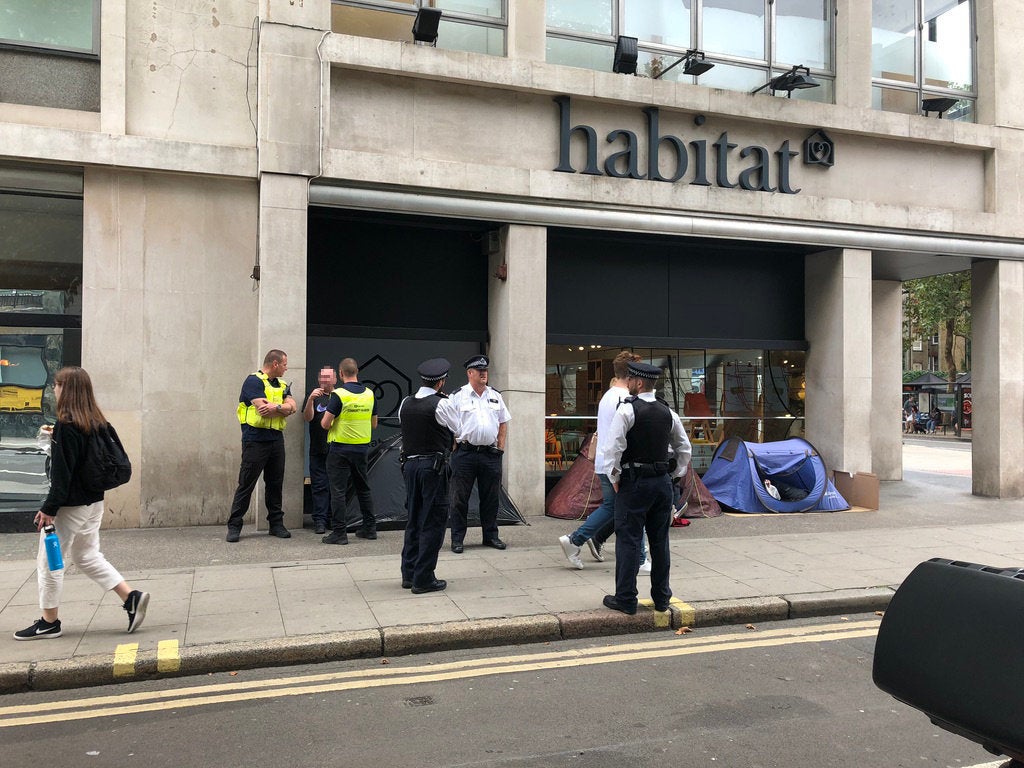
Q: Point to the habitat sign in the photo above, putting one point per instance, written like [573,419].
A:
[706,163]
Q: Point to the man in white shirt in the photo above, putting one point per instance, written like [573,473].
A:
[480,443]
[642,433]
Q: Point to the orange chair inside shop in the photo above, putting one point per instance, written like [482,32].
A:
[552,450]
[698,412]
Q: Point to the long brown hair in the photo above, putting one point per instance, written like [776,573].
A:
[77,403]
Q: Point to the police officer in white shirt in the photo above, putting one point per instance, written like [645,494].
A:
[480,443]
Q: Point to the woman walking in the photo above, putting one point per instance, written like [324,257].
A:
[74,511]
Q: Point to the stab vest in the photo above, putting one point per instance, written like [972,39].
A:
[647,440]
[247,414]
[353,425]
[420,431]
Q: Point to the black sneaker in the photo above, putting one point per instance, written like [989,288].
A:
[41,630]
[366,533]
[136,605]
[280,531]
[319,529]
[232,536]
[335,538]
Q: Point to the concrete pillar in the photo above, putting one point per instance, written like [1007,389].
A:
[997,378]
[853,54]
[886,379]
[113,64]
[1000,27]
[282,314]
[527,30]
[837,286]
[517,319]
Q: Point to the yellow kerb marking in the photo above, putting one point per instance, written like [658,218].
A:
[124,659]
[167,658]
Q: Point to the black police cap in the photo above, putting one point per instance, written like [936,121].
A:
[478,361]
[434,369]
[644,371]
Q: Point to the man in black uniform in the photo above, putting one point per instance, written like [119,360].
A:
[643,428]
[426,442]
[313,412]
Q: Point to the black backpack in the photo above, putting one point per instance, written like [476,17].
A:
[106,464]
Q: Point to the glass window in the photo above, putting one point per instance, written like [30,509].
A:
[893,25]
[577,53]
[666,22]
[588,16]
[734,27]
[68,25]
[734,78]
[471,37]
[466,25]
[489,8]
[802,33]
[947,45]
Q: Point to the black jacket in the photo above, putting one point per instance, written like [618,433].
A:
[66,454]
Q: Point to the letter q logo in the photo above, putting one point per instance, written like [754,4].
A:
[819,149]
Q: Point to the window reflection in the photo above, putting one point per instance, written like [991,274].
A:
[734,27]
[801,33]
[590,16]
[666,22]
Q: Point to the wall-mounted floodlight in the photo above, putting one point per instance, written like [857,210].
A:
[693,64]
[625,56]
[938,104]
[424,28]
[790,81]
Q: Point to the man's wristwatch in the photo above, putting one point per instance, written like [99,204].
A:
[279,408]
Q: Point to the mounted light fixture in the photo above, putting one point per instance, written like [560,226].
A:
[938,104]
[424,28]
[790,81]
[625,56]
[693,64]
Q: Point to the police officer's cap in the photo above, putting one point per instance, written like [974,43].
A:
[479,362]
[434,369]
[644,371]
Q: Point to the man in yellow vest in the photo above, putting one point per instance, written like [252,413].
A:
[263,405]
[350,417]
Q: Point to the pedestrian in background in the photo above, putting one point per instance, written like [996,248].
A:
[313,412]
[427,431]
[350,417]
[75,512]
[642,432]
[263,405]
[482,419]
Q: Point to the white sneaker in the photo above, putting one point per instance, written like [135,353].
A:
[596,550]
[645,568]
[572,552]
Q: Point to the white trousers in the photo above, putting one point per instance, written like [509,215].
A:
[78,529]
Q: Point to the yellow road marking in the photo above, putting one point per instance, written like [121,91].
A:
[124,659]
[167,657]
[108,706]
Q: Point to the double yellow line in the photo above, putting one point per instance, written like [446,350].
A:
[391,675]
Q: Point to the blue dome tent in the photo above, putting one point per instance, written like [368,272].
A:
[741,474]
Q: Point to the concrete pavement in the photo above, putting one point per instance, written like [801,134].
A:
[266,601]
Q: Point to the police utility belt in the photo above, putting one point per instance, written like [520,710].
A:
[492,449]
[637,469]
[439,459]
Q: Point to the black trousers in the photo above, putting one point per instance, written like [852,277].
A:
[426,499]
[346,473]
[643,503]
[320,488]
[266,457]
[484,469]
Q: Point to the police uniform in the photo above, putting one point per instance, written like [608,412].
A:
[262,452]
[348,442]
[427,432]
[642,432]
[477,457]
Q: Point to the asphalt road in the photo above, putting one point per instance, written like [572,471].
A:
[790,694]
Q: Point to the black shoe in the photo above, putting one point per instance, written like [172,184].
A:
[457,547]
[335,538]
[496,543]
[280,531]
[366,533]
[660,608]
[611,602]
[435,586]
[406,584]
[136,605]
[233,534]
[319,529]
[41,630]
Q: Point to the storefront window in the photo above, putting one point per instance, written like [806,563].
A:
[923,49]
[64,25]
[477,26]
[760,36]
[40,318]
[754,394]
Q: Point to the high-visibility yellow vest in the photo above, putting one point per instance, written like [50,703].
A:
[247,414]
[353,425]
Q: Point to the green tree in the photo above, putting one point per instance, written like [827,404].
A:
[940,302]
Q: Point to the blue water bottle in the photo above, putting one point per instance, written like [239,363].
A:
[53,556]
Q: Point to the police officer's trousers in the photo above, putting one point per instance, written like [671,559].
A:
[642,503]
[483,467]
[426,499]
